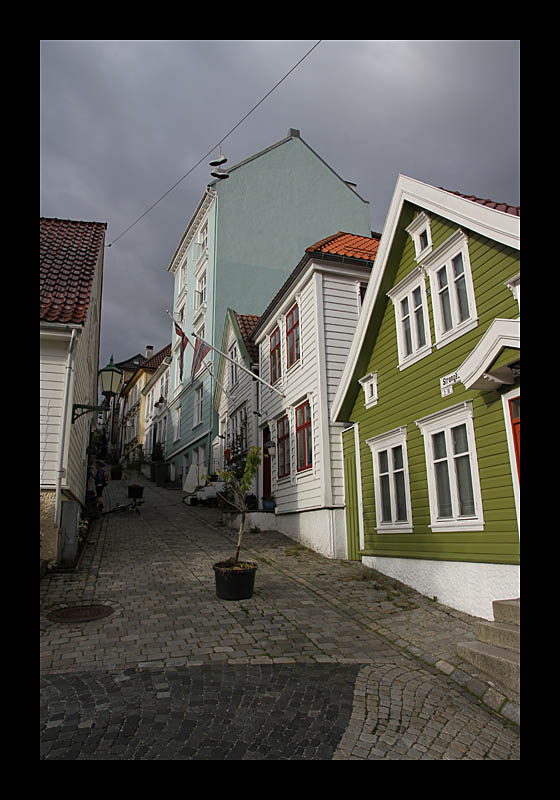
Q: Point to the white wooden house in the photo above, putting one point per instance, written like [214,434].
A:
[71,279]
[236,397]
[304,338]
[156,392]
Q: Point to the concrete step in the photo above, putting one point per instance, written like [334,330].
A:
[507,611]
[500,634]
[503,665]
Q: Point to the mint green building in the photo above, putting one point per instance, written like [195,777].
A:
[431,398]
[238,249]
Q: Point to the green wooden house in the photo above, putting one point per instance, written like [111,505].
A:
[431,398]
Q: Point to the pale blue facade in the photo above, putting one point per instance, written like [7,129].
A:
[257,225]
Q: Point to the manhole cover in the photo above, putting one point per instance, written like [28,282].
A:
[79,614]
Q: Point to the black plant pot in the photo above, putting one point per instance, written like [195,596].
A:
[235,582]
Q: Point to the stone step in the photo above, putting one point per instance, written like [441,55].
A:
[500,634]
[507,611]
[501,664]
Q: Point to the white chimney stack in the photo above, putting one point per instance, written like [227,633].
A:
[149,351]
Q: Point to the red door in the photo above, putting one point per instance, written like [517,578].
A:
[267,486]
[514,410]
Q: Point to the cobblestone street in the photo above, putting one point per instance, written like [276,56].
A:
[327,661]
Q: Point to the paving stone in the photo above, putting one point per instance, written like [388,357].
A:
[317,665]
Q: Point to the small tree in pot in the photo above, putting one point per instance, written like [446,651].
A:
[234,578]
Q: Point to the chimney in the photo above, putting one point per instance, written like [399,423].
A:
[149,351]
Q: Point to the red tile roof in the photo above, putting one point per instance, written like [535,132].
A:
[505,207]
[247,324]
[69,250]
[347,244]
[155,360]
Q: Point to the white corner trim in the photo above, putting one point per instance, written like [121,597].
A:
[501,333]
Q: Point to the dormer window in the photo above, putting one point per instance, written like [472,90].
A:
[420,232]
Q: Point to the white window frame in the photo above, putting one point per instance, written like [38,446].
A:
[419,225]
[203,238]
[233,370]
[387,442]
[444,421]
[198,401]
[457,244]
[200,293]
[405,290]
[369,384]
[177,424]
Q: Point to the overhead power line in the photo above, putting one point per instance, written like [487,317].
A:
[216,145]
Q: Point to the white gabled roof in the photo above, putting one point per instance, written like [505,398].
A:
[501,226]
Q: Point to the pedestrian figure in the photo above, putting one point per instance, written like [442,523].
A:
[101,481]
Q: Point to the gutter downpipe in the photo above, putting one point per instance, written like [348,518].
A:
[60,470]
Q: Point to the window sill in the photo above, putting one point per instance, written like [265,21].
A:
[455,333]
[396,529]
[414,357]
[457,527]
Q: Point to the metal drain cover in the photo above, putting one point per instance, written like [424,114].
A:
[80,614]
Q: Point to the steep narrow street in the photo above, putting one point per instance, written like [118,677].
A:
[327,661]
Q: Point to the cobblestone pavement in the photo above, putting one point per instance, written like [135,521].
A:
[327,660]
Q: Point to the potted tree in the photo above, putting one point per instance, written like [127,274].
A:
[235,579]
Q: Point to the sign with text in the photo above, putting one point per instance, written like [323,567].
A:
[447,382]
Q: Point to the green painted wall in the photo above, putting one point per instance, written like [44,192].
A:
[407,395]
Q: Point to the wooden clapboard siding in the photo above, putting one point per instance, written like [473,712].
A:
[412,393]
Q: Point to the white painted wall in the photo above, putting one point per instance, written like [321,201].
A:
[467,587]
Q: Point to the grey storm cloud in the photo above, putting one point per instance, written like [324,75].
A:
[123,120]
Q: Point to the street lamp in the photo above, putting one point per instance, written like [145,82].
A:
[110,383]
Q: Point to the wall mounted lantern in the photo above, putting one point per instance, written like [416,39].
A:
[110,383]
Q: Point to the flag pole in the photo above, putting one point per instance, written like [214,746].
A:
[206,365]
[241,366]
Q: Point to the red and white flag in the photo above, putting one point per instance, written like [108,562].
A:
[184,342]
[201,349]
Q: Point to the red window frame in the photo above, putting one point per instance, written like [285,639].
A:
[292,337]
[303,437]
[515,406]
[275,360]
[283,444]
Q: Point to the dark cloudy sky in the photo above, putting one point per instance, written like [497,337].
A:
[123,120]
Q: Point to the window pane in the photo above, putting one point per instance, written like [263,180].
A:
[464,486]
[420,332]
[443,490]
[442,277]
[383,461]
[385,499]
[423,240]
[462,299]
[308,446]
[417,298]
[401,496]
[397,457]
[438,442]
[300,450]
[457,262]
[446,310]
[460,441]
[407,336]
